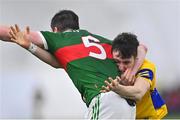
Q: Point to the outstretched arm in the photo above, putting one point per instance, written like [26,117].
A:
[45,56]
[32,36]
[135,92]
[21,39]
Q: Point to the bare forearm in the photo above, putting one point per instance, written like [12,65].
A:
[135,92]
[46,57]
[33,36]
[21,38]
[4,33]
[129,92]
[141,54]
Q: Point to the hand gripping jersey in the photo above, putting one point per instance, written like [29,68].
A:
[151,106]
[86,58]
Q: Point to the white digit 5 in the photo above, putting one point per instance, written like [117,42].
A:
[87,43]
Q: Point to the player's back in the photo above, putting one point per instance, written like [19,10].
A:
[86,58]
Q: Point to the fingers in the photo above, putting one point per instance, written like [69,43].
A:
[12,34]
[110,79]
[13,30]
[15,34]
[123,76]
[105,89]
[124,79]
[128,77]
[111,84]
[114,83]
[118,79]
[108,84]
[12,39]
[17,28]
[133,80]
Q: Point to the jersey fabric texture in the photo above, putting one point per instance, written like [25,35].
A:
[86,58]
[151,106]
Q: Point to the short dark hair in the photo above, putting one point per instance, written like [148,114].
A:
[126,44]
[65,19]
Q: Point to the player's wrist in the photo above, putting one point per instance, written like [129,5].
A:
[32,48]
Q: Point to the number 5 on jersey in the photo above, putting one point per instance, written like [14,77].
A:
[91,41]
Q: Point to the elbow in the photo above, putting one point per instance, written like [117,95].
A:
[56,66]
[139,94]
[138,97]
[54,63]
[144,47]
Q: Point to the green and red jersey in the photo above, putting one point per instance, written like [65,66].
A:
[86,58]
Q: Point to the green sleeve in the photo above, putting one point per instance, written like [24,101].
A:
[50,39]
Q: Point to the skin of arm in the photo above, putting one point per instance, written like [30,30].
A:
[21,39]
[129,75]
[135,92]
[32,36]
[4,33]
[46,57]
[141,54]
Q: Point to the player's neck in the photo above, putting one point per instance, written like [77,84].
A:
[68,30]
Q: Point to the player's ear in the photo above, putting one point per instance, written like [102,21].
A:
[55,29]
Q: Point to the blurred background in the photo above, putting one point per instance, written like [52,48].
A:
[30,88]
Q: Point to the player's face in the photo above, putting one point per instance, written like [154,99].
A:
[123,63]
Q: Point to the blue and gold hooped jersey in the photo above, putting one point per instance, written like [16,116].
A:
[151,105]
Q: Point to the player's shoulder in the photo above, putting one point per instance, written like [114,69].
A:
[101,38]
[147,63]
[147,66]
[48,33]
[147,70]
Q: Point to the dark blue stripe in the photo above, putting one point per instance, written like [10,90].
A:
[156,99]
[151,75]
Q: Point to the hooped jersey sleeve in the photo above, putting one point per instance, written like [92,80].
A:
[147,71]
[51,40]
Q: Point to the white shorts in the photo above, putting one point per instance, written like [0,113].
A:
[110,106]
